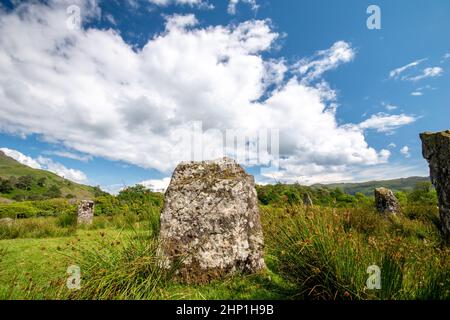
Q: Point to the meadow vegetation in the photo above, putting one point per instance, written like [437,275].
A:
[312,252]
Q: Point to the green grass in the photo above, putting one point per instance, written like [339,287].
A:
[311,253]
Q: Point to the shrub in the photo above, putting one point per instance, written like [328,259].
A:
[25,182]
[54,207]
[53,192]
[6,186]
[17,210]
[34,228]
[67,220]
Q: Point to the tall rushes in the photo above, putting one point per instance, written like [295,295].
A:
[129,268]
[315,252]
[126,269]
[326,252]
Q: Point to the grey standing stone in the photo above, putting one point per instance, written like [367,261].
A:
[211,221]
[307,201]
[385,201]
[85,212]
[6,222]
[436,150]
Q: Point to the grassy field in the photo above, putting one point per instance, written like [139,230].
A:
[36,269]
[311,253]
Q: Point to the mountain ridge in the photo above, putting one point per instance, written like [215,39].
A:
[367,187]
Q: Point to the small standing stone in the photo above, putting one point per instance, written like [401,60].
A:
[436,150]
[85,212]
[385,201]
[6,222]
[211,221]
[307,201]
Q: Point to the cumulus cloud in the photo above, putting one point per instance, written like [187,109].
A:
[405,151]
[392,145]
[157,185]
[46,164]
[426,73]
[62,171]
[389,106]
[232,4]
[398,71]
[382,122]
[95,94]
[417,93]
[325,60]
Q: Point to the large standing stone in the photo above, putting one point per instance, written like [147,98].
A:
[436,149]
[211,221]
[85,212]
[385,201]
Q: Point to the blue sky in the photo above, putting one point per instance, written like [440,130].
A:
[101,104]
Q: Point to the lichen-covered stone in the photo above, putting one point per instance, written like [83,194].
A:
[307,201]
[436,150]
[385,201]
[211,221]
[85,212]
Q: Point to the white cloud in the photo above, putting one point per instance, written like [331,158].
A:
[398,71]
[136,105]
[69,155]
[389,106]
[62,171]
[417,93]
[426,73]
[109,17]
[382,122]
[46,164]
[159,185]
[178,2]
[325,60]
[232,4]
[392,145]
[21,158]
[405,151]
[179,22]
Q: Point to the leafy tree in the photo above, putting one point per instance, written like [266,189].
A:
[362,199]
[25,182]
[402,198]
[41,182]
[53,192]
[98,192]
[423,193]
[6,185]
[292,196]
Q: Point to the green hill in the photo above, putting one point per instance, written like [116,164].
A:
[20,182]
[402,184]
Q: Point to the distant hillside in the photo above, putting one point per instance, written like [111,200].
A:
[20,182]
[402,184]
